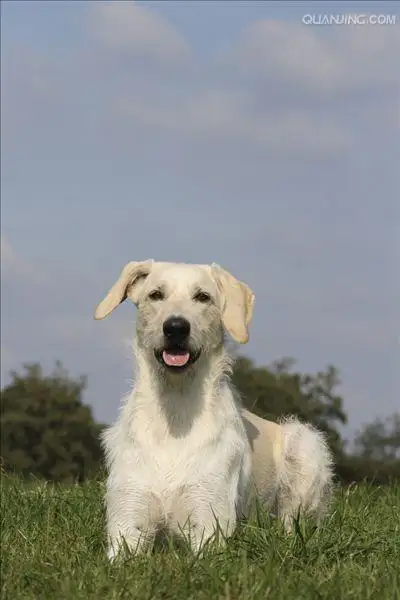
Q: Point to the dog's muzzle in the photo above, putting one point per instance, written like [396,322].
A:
[176,354]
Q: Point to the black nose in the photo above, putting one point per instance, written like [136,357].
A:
[176,328]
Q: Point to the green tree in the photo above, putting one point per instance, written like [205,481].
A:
[46,429]
[380,440]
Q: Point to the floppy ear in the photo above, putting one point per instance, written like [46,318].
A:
[237,304]
[128,285]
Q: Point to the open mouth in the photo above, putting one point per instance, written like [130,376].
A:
[176,359]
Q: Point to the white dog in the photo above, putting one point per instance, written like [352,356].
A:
[183,454]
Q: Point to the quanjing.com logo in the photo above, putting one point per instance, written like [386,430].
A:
[344,19]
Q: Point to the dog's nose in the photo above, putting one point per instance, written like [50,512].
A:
[176,328]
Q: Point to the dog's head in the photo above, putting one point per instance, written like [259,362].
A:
[182,309]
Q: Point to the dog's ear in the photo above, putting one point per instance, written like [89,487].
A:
[127,286]
[237,304]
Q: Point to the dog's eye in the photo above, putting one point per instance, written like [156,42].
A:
[156,295]
[202,297]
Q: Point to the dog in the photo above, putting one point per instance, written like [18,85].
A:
[183,454]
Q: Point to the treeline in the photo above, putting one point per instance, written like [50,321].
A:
[47,431]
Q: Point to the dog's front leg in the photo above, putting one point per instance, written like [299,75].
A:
[201,516]
[133,538]
[210,522]
[131,521]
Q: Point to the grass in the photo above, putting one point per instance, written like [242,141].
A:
[52,548]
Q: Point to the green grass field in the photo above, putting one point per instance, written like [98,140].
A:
[52,547]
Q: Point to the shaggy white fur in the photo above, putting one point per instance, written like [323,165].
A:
[183,454]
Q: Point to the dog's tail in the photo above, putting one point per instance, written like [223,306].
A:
[306,472]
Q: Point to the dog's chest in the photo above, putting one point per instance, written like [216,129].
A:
[169,457]
[165,461]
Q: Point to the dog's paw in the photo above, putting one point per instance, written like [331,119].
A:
[112,552]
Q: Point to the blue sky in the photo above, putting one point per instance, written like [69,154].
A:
[202,132]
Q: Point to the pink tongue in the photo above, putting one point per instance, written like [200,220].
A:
[175,360]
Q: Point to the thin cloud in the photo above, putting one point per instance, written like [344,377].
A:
[330,62]
[216,114]
[137,30]
[16,268]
